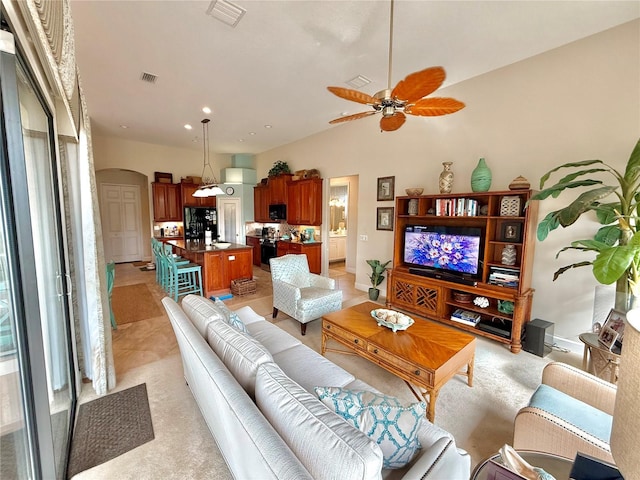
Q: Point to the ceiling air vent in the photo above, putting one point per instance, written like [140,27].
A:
[148,77]
[358,82]
[226,12]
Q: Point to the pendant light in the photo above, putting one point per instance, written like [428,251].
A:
[209,187]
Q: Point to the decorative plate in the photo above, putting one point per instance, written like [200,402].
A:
[392,319]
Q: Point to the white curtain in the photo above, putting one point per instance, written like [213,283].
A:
[53,29]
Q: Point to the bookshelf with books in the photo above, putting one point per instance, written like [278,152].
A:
[502,290]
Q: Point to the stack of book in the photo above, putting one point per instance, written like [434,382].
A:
[456,207]
[505,277]
[466,317]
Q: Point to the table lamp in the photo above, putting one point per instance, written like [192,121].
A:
[625,434]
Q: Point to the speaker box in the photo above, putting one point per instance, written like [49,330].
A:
[538,337]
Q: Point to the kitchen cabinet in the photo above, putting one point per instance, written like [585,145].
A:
[337,248]
[304,202]
[254,242]
[278,188]
[188,200]
[167,205]
[261,203]
[312,250]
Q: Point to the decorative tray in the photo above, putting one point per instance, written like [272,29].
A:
[392,319]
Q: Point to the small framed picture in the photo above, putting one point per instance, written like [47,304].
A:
[384,218]
[386,188]
[615,321]
[511,232]
[608,337]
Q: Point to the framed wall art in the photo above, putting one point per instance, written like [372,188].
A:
[384,218]
[511,232]
[386,188]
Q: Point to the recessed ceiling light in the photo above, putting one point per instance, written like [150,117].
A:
[267,126]
[252,133]
[124,126]
[344,114]
[188,127]
[206,110]
[241,139]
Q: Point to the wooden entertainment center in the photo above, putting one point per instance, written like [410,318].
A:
[503,220]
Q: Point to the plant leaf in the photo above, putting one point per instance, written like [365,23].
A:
[558,188]
[560,271]
[568,215]
[574,175]
[583,163]
[590,245]
[548,223]
[611,263]
[609,234]
[606,212]
[634,163]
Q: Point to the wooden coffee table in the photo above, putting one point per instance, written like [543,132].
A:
[426,355]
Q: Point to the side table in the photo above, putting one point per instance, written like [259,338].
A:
[598,360]
[559,467]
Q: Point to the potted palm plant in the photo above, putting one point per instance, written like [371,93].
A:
[376,277]
[616,243]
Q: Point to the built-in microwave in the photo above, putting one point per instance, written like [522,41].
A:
[278,212]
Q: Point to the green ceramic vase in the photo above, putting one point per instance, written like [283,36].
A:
[481,177]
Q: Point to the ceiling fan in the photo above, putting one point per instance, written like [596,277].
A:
[407,96]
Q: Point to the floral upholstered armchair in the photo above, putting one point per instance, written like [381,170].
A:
[299,293]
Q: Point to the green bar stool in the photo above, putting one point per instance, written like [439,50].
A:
[185,279]
[111,276]
[166,275]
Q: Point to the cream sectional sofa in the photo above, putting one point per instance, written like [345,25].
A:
[255,390]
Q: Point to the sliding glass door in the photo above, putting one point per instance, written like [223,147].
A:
[37,287]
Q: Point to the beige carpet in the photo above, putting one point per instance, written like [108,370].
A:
[132,303]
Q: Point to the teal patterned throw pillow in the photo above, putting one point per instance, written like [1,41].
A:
[392,424]
[230,317]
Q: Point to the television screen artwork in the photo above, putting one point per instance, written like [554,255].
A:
[443,250]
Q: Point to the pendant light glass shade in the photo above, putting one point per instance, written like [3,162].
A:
[209,187]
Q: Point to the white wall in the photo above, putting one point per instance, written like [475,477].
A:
[577,102]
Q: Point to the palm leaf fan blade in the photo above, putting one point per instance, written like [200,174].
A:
[355,116]
[419,84]
[393,122]
[353,95]
[434,107]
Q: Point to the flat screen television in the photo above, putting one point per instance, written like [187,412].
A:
[453,250]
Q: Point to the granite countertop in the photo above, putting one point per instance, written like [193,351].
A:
[315,242]
[197,246]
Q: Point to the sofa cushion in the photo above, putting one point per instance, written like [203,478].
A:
[230,317]
[248,315]
[272,337]
[581,415]
[240,353]
[201,311]
[308,368]
[386,420]
[327,446]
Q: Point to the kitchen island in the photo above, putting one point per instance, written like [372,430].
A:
[219,266]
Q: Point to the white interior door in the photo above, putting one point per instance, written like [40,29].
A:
[229,220]
[121,222]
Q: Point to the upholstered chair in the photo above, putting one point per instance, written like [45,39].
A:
[299,293]
[570,412]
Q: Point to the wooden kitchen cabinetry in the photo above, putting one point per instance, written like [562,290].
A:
[304,202]
[167,205]
[503,220]
[188,200]
[278,188]
[261,200]
[255,243]
[312,250]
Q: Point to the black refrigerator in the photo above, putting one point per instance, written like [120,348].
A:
[197,220]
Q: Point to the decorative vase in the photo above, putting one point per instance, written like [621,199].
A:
[413,206]
[446,178]
[481,177]
[509,255]
[373,294]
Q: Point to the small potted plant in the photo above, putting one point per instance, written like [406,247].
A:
[279,168]
[377,276]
